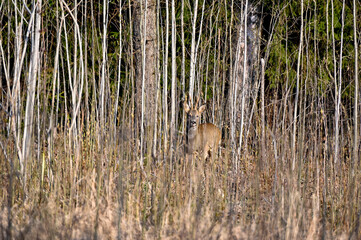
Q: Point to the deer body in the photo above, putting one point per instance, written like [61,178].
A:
[201,138]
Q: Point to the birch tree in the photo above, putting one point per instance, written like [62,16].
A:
[31,88]
[298,79]
[174,79]
[355,119]
[193,52]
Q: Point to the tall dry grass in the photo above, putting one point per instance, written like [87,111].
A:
[109,196]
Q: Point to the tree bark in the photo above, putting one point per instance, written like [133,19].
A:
[146,19]
[246,52]
[29,112]
[174,79]
[297,93]
[356,141]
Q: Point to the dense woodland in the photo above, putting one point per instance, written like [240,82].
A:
[92,123]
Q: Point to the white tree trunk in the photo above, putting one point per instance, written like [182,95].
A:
[193,53]
[30,98]
[355,119]
[174,79]
[297,92]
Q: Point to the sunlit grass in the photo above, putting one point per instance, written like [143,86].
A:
[175,199]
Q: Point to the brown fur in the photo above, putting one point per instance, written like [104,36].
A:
[202,138]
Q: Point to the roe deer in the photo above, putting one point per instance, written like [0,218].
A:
[201,138]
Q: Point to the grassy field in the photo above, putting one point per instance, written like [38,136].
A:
[106,194]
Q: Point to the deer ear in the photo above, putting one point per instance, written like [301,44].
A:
[186,107]
[202,108]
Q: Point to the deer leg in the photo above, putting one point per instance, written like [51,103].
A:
[215,151]
[212,154]
[205,152]
[186,164]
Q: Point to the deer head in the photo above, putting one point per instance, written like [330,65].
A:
[193,115]
[200,138]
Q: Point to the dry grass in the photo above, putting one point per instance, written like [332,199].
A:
[178,201]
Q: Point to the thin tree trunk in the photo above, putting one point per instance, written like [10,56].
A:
[33,71]
[174,80]
[295,114]
[119,69]
[157,78]
[338,98]
[355,118]
[335,81]
[165,82]
[193,53]
[183,63]
[144,37]
[137,31]
[103,73]
[263,132]
[74,85]
[196,52]
[245,85]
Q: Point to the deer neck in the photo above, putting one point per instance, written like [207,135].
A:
[192,136]
[192,133]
